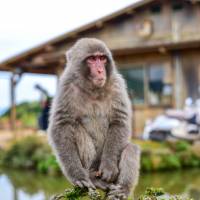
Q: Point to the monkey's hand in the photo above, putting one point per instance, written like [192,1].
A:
[108,171]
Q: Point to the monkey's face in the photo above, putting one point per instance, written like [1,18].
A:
[96,64]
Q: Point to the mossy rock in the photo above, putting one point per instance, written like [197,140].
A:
[77,193]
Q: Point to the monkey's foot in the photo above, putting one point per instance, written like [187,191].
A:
[117,192]
[84,183]
[98,183]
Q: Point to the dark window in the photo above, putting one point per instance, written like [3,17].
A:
[176,6]
[135,82]
[159,91]
[150,85]
[156,9]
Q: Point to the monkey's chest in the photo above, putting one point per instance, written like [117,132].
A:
[95,121]
[96,126]
[91,137]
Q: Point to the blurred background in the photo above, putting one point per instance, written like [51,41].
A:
[156,46]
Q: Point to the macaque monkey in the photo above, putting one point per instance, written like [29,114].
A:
[90,122]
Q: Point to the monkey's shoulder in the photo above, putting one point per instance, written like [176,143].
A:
[118,88]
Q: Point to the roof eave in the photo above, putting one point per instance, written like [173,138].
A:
[70,34]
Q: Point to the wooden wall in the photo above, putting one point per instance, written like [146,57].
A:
[188,80]
[176,21]
[145,111]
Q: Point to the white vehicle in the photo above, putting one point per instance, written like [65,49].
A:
[180,124]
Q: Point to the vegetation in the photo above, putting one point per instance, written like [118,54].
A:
[34,153]
[27,114]
[165,156]
[30,153]
[77,193]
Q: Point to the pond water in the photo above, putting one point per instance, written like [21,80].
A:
[18,185]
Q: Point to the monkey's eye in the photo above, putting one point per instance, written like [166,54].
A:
[103,57]
[91,58]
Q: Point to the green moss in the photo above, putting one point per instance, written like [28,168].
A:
[77,193]
[152,193]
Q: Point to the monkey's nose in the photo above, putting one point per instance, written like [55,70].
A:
[100,71]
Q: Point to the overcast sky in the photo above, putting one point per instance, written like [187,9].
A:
[27,23]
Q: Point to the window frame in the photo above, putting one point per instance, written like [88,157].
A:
[139,66]
[146,67]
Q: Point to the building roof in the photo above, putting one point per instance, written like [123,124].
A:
[44,58]
[49,45]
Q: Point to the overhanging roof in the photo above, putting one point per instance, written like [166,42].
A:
[8,64]
[46,56]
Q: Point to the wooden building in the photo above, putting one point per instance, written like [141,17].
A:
[156,45]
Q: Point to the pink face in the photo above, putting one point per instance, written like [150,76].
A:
[97,65]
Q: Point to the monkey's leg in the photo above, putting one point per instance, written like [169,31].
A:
[128,173]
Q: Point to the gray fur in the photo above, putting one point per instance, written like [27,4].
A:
[90,127]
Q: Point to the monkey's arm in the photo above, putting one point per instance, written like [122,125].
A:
[117,139]
[63,142]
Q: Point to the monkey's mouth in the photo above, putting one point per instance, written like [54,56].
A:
[100,82]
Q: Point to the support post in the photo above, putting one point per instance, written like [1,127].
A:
[178,81]
[14,80]
[13,103]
